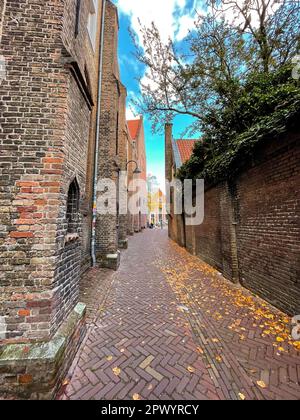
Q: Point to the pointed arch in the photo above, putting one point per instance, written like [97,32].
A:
[73,206]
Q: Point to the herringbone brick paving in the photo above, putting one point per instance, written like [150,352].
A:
[171,328]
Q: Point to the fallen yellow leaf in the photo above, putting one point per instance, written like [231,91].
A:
[261,384]
[279,340]
[109,358]
[136,397]
[117,371]
[219,359]
[191,369]
[296,344]
[242,397]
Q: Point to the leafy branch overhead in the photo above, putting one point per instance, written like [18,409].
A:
[233,70]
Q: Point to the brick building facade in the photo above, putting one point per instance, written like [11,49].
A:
[62,104]
[137,133]
[251,227]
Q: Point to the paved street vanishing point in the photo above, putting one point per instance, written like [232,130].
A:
[166,326]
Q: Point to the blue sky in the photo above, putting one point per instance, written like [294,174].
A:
[173,18]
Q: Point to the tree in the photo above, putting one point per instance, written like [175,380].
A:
[272,27]
[232,41]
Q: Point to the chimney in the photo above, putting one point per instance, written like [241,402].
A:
[169,151]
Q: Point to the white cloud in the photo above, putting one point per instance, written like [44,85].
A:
[173,18]
[131,113]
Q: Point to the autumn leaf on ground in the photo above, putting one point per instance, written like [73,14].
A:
[296,344]
[117,371]
[191,369]
[200,350]
[136,397]
[109,358]
[242,397]
[219,359]
[261,384]
[66,382]
[215,340]
[279,340]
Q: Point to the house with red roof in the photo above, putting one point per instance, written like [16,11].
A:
[136,130]
[182,150]
[178,152]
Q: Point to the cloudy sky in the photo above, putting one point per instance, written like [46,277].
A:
[173,18]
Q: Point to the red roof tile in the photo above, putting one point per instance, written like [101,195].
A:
[186,148]
[134,128]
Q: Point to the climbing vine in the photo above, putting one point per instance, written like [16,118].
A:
[268,106]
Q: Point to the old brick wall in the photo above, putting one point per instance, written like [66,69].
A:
[79,48]
[123,159]
[31,140]
[208,235]
[131,156]
[141,220]
[44,143]
[268,230]
[251,228]
[108,163]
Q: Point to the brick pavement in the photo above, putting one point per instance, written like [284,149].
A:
[171,328]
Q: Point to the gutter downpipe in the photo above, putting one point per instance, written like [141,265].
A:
[95,181]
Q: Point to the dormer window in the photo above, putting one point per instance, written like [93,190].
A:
[92,22]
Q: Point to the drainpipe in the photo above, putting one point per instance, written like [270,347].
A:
[95,181]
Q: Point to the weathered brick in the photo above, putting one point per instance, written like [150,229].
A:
[251,227]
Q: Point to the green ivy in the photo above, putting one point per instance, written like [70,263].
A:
[268,106]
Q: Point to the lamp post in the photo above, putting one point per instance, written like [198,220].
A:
[137,170]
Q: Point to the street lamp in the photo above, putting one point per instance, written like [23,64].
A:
[137,170]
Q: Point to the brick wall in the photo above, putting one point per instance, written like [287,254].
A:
[141,220]
[44,145]
[268,230]
[112,145]
[131,156]
[251,228]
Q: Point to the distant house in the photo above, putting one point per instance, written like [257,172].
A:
[156,202]
[137,133]
[178,151]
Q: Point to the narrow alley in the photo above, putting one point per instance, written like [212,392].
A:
[166,326]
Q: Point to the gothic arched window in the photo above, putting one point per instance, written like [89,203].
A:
[73,207]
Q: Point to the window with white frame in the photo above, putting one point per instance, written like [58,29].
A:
[92,22]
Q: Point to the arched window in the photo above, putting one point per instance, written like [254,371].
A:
[73,207]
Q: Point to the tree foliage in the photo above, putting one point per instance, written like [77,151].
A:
[268,106]
[232,76]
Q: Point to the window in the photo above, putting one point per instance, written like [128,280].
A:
[73,207]
[78,5]
[117,134]
[92,22]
